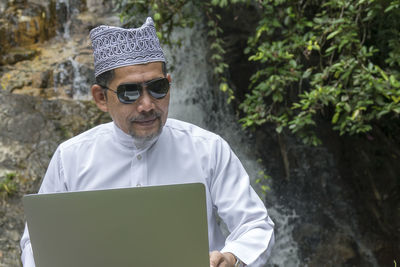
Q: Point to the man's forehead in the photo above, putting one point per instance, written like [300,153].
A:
[139,72]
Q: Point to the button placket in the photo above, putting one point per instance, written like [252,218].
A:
[138,170]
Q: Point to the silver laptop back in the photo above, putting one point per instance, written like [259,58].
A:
[146,226]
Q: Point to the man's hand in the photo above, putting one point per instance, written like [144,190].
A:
[218,259]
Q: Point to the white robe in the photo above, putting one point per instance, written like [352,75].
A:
[183,153]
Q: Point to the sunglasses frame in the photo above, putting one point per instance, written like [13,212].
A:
[140,86]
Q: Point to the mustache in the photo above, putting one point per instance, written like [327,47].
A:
[151,115]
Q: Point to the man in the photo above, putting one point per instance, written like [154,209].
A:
[142,147]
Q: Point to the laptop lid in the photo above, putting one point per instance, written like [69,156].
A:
[143,226]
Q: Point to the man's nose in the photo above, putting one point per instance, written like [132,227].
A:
[145,101]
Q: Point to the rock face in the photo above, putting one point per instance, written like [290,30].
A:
[24,23]
[53,36]
[31,129]
[45,61]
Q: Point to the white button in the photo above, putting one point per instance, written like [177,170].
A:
[139,157]
[138,185]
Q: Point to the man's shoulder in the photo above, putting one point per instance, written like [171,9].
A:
[189,129]
[88,136]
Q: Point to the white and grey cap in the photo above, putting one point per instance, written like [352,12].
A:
[115,47]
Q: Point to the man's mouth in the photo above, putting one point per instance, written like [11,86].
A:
[146,121]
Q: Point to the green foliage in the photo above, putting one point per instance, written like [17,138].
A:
[336,60]
[261,181]
[331,60]
[8,185]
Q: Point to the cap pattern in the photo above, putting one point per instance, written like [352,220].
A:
[115,47]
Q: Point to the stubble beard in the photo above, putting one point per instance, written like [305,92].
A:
[142,140]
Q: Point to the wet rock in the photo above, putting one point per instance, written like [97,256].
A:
[98,6]
[59,67]
[17,54]
[339,252]
[42,79]
[59,70]
[14,235]
[73,78]
[31,129]
[26,22]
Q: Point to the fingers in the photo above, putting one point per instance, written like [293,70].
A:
[216,258]
[230,258]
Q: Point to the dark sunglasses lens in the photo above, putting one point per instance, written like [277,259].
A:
[128,93]
[158,88]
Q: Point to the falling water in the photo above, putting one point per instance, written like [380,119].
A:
[80,83]
[193,99]
[73,74]
[65,11]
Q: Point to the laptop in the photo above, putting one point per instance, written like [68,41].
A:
[142,226]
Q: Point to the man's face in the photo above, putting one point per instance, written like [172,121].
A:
[144,118]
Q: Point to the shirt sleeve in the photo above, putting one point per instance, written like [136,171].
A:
[52,182]
[251,229]
[27,253]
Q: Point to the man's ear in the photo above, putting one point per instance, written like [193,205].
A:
[169,77]
[99,97]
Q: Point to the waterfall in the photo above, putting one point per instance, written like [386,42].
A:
[73,73]
[66,11]
[193,99]
[196,98]
[63,9]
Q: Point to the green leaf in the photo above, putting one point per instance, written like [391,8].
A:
[157,16]
[223,87]
[347,107]
[307,73]
[382,113]
[330,49]
[355,114]
[335,117]
[391,7]
[333,34]
[393,81]
[382,73]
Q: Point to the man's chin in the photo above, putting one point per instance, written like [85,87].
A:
[145,136]
[146,133]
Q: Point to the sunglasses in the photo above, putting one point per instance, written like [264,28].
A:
[129,92]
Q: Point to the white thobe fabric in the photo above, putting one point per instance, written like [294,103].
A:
[105,157]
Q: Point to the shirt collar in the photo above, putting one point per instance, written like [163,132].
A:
[128,141]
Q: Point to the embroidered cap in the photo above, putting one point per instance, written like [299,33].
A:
[115,47]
